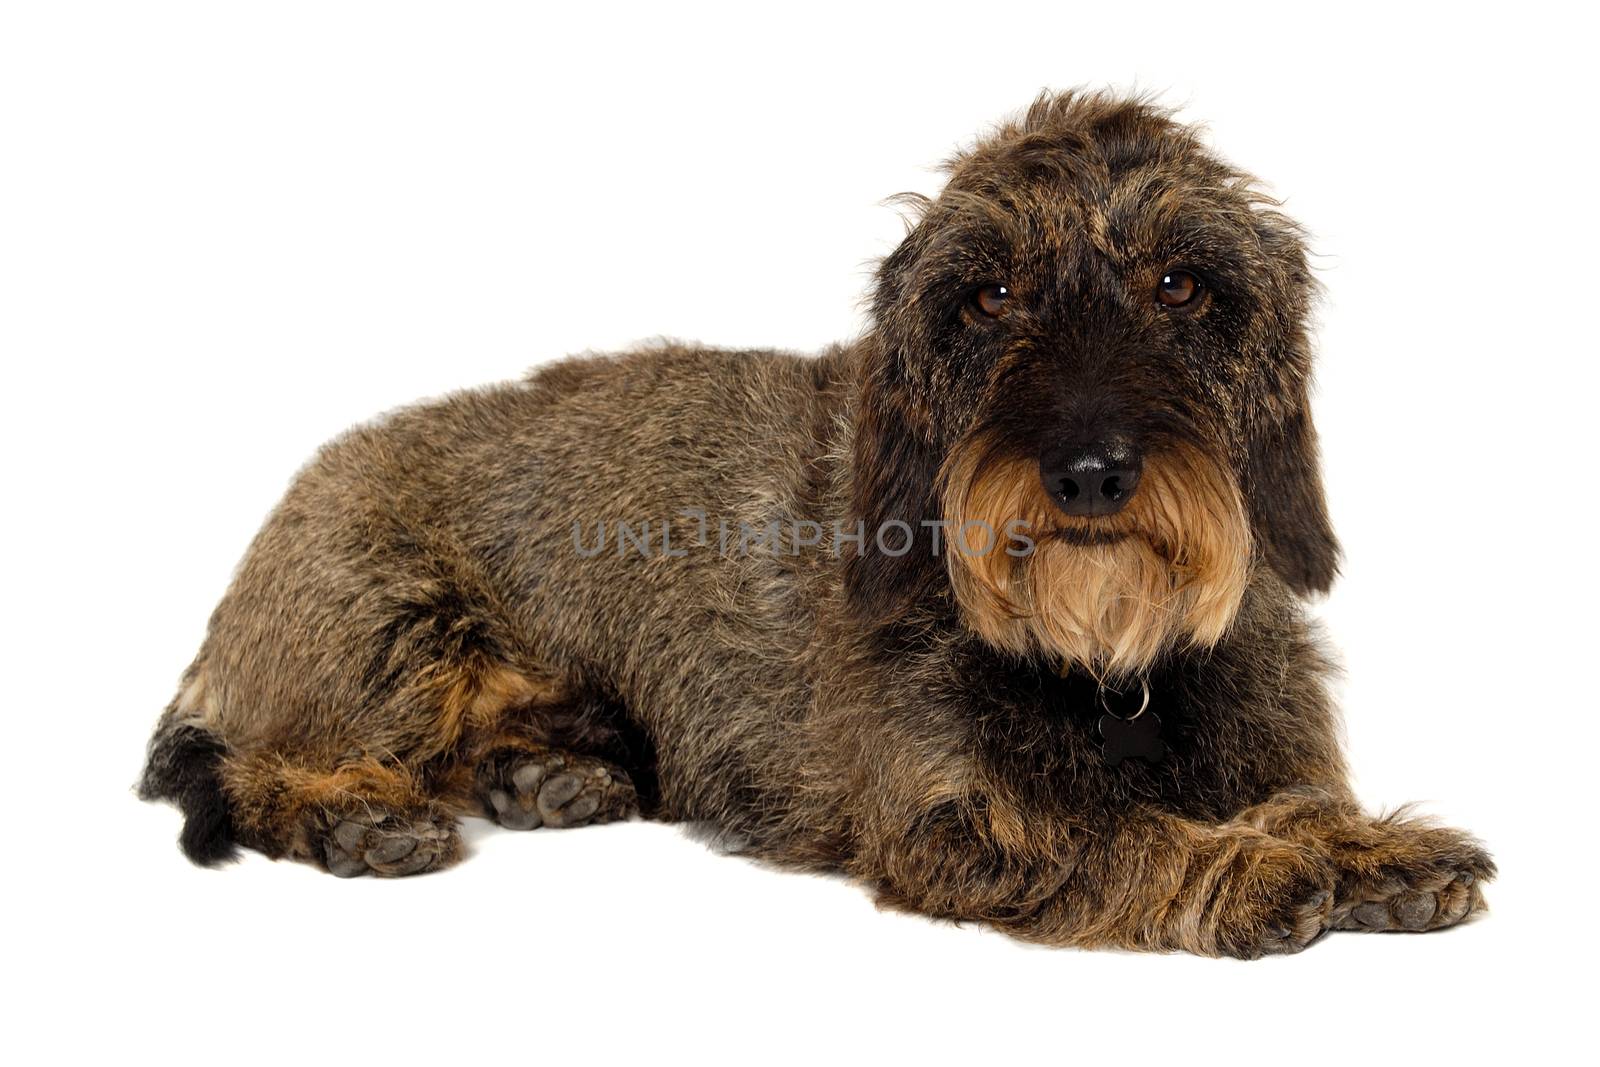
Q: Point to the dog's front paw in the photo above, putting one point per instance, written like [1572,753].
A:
[1426,878]
[1273,898]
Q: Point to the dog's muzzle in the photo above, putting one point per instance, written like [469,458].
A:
[1090,480]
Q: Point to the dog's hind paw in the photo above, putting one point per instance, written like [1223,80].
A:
[389,845]
[557,789]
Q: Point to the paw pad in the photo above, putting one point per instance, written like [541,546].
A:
[389,846]
[1416,909]
[560,791]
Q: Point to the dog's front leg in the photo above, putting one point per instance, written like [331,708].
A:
[1149,881]
[1396,872]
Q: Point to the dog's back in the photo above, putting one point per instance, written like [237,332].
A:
[598,536]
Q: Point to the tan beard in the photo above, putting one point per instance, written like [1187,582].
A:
[1107,594]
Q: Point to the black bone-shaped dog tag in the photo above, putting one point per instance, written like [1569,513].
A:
[1135,738]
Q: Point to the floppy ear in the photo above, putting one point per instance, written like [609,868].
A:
[1283,482]
[894,463]
[894,476]
[1287,508]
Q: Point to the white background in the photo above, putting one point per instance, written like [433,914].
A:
[227,232]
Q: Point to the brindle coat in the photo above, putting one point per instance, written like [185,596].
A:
[422,629]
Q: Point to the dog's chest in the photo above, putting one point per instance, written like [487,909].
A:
[1080,749]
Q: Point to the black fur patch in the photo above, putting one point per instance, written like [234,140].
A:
[184,767]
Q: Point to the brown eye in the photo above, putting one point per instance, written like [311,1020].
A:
[991,300]
[1177,288]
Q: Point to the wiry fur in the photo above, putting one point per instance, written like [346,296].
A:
[1108,595]
[414,636]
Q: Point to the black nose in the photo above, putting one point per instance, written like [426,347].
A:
[1092,479]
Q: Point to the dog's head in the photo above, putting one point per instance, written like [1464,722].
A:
[1093,343]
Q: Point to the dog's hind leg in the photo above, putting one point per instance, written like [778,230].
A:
[484,739]
[361,816]
[562,763]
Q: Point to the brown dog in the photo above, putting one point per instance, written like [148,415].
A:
[995,609]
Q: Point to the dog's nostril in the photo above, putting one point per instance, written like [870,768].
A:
[1093,480]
